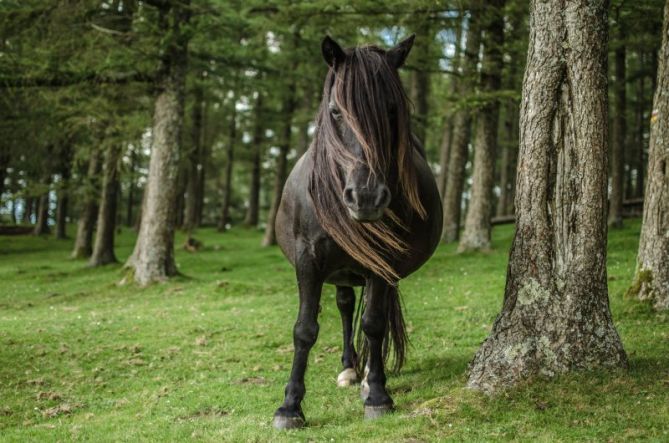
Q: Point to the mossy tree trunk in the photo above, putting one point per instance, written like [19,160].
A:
[555,317]
[458,152]
[103,248]
[651,281]
[83,243]
[153,256]
[476,235]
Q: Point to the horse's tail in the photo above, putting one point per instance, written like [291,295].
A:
[396,334]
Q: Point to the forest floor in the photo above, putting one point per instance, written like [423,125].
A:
[206,356]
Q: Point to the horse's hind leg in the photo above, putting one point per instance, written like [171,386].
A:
[346,305]
[374,324]
[305,332]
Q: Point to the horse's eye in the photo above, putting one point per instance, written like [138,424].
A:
[335,113]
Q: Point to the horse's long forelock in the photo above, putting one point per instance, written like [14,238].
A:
[358,89]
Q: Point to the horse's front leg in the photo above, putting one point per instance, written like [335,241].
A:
[374,323]
[346,305]
[305,332]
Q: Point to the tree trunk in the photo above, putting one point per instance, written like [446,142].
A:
[420,82]
[103,249]
[254,192]
[132,188]
[28,203]
[194,163]
[641,126]
[619,131]
[63,193]
[83,243]
[556,316]
[476,235]
[42,222]
[229,158]
[508,162]
[651,281]
[455,178]
[288,108]
[4,164]
[447,135]
[153,257]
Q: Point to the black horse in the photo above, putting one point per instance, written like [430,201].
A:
[360,208]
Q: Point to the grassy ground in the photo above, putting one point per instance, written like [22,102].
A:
[206,356]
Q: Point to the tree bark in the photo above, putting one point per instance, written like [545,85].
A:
[132,188]
[83,243]
[555,317]
[420,82]
[476,235]
[103,248]
[42,221]
[641,125]
[63,193]
[153,256]
[26,217]
[651,281]
[194,163]
[229,158]
[254,189]
[288,108]
[619,131]
[455,178]
[447,134]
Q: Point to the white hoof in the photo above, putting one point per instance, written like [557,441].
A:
[347,377]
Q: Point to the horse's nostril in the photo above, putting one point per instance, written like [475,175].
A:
[383,198]
[349,196]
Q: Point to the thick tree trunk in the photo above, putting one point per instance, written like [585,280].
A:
[254,189]
[83,243]
[556,316]
[194,163]
[288,109]
[229,159]
[153,257]
[455,178]
[103,248]
[619,132]
[476,235]
[447,134]
[651,281]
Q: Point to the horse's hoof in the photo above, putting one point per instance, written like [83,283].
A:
[373,412]
[282,422]
[347,377]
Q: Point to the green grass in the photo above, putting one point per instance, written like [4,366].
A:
[206,356]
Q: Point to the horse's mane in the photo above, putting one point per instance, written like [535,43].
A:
[366,90]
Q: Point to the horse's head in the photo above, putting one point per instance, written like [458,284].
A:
[365,114]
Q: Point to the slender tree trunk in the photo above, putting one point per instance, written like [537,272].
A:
[153,257]
[83,243]
[556,316]
[4,164]
[476,235]
[619,131]
[651,281]
[229,159]
[132,188]
[254,192]
[641,126]
[42,222]
[455,178]
[447,135]
[103,248]
[288,108]
[194,163]
[420,82]
[28,203]
[305,120]
[63,193]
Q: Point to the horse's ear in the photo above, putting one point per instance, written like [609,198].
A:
[332,52]
[397,55]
